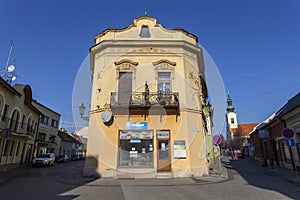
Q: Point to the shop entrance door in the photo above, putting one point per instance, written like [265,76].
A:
[164,155]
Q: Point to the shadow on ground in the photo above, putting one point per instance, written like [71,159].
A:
[261,177]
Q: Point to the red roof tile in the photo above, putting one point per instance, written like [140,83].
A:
[243,129]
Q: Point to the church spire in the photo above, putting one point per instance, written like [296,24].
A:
[230,107]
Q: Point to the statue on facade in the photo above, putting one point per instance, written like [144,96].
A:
[146,93]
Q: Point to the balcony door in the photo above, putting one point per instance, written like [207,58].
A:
[164,82]
[124,88]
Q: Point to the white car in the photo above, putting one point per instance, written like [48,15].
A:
[44,159]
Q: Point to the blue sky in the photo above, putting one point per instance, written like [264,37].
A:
[255,45]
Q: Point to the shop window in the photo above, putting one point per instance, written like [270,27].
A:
[136,149]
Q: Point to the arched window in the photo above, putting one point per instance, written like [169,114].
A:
[145,33]
[29,125]
[14,122]
[1,104]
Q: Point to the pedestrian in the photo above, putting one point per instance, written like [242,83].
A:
[231,154]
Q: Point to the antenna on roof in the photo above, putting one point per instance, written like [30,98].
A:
[145,14]
[8,73]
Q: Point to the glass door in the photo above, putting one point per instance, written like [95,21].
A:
[163,150]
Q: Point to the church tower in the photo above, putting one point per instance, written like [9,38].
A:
[231,118]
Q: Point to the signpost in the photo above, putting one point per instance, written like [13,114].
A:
[289,142]
[217,140]
[288,133]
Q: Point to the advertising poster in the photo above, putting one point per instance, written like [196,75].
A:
[179,149]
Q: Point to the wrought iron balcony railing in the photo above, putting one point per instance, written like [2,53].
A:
[16,126]
[142,99]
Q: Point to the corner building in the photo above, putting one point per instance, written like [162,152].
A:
[148,94]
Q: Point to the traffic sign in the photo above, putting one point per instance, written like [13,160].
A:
[289,142]
[288,133]
[217,139]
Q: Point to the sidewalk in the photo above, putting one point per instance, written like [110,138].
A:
[75,177]
[215,176]
[289,175]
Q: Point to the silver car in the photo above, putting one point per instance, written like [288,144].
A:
[44,159]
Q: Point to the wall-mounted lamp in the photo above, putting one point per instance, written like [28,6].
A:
[82,111]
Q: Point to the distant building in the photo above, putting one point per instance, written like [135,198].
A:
[46,139]
[237,134]
[147,106]
[19,120]
[271,146]
[68,143]
[82,136]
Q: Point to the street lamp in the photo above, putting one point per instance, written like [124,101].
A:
[82,111]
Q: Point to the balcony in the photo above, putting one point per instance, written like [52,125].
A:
[141,102]
[141,99]
[16,127]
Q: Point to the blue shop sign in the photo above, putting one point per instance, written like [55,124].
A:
[136,125]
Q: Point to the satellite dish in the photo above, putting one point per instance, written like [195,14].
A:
[106,116]
[13,78]
[11,68]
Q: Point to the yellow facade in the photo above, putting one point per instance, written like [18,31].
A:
[18,124]
[151,81]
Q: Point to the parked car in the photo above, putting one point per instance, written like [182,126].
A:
[62,158]
[44,159]
[75,157]
[239,154]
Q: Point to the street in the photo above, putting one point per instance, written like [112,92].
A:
[246,180]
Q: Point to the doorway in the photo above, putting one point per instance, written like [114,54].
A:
[163,151]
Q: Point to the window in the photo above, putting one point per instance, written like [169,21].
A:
[54,123]
[145,33]
[18,148]
[164,82]
[298,149]
[23,120]
[6,149]
[124,88]
[1,104]
[232,120]
[44,120]
[52,138]
[12,148]
[29,125]
[136,149]
[41,136]
[5,112]
[14,121]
